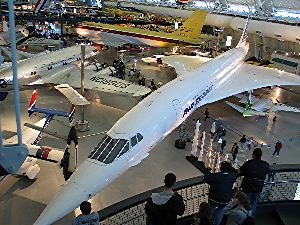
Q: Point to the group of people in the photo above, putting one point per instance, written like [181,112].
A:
[221,184]
[225,206]
[119,66]
[218,133]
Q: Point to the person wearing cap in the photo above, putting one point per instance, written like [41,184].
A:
[164,207]
[278,147]
[254,172]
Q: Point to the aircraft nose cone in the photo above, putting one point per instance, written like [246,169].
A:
[64,202]
[83,184]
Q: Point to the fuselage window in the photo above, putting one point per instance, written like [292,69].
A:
[139,137]
[133,141]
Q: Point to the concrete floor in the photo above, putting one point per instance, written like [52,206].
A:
[24,200]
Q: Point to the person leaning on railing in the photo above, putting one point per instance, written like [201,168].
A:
[254,172]
[220,188]
[163,207]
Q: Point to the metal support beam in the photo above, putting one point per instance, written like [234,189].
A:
[82,78]
[13,156]
[258,45]
[82,124]
[14,67]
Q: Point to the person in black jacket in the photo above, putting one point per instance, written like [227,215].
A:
[163,207]
[220,189]
[254,172]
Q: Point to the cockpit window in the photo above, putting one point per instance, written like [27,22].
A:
[108,149]
[139,137]
[133,141]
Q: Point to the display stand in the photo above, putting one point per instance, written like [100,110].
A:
[204,156]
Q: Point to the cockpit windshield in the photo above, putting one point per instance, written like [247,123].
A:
[109,149]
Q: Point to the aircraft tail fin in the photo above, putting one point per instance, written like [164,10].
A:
[72,114]
[39,5]
[48,112]
[193,25]
[32,103]
[244,36]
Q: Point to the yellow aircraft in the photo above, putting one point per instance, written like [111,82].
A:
[116,35]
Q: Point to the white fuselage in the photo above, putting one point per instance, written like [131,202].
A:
[32,68]
[104,38]
[154,118]
[263,105]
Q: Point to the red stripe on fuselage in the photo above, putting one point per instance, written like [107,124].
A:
[145,36]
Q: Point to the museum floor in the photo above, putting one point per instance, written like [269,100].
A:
[22,200]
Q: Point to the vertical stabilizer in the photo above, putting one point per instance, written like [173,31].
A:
[192,27]
[32,102]
[72,114]
[244,36]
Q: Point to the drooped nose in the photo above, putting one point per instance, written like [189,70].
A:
[90,178]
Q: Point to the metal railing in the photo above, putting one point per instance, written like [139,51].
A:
[280,185]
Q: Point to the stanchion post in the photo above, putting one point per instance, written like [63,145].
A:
[82,124]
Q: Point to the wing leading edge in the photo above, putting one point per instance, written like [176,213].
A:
[248,77]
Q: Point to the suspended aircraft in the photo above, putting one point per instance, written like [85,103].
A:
[260,106]
[132,137]
[113,35]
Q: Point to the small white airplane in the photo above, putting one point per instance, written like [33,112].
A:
[132,137]
[260,107]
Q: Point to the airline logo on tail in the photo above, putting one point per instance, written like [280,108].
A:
[72,114]
[32,102]
[39,5]
[50,113]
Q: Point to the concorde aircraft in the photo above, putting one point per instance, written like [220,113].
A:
[129,141]
[56,68]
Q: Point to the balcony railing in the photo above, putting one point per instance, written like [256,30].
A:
[280,185]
